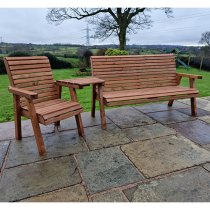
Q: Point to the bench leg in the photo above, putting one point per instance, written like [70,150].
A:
[170,103]
[93,107]
[193,106]
[79,124]
[17,118]
[101,104]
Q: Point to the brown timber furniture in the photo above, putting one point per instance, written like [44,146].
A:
[96,83]
[138,79]
[38,97]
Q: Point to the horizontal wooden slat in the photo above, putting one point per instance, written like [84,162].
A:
[27,62]
[55,107]
[169,89]
[62,111]
[33,79]
[26,58]
[131,56]
[107,67]
[29,67]
[139,101]
[39,87]
[34,83]
[108,89]
[30,71]
[31,75]
[62,117]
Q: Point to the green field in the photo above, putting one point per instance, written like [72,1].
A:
[84,95]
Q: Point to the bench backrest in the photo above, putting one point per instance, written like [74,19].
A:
[32,73]
[135,71]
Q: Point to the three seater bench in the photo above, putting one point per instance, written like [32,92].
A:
[138,79]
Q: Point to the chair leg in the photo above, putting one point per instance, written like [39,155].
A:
[170,103]
[79,124]
[38,137]
[57,123]
[93,107]
[193,106]
[17,118]
[36,128]
[102,110]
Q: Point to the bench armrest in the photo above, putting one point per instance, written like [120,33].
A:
[189,76]
[23,93]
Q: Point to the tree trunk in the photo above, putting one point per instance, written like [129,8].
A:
[122,39]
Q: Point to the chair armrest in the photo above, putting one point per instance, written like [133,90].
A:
[23,93]
[189,76]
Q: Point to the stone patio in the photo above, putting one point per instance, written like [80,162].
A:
[148,153]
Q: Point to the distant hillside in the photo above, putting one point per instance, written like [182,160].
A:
[61,49]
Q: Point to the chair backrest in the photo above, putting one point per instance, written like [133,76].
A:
[32,73]
[135,71]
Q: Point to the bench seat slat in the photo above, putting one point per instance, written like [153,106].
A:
[147,93]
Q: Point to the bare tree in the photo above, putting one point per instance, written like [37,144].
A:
[108,21]
[205,38]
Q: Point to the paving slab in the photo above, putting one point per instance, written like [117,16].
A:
[38,178]
[57,144]
[168,117]
[201,103]
[87,120]
[148,132]
[105,169]
[158,107]
[189,186]
[7,129]
[200,112]
[111,196]
[207,166]
[69,194]
[164,155]
[206,146]
[98,138]
[126,117]
[205,119]
[206,98]
[3,150]
[197,131]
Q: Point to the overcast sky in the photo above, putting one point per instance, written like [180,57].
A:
[31,26]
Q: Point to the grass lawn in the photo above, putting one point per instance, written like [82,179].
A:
[84,95]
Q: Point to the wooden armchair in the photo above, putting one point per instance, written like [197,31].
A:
[38,97]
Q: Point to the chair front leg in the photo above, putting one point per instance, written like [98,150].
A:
[79,124]
[17,117]
[101,104]
[36,128]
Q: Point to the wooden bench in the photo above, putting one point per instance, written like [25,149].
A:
[38,97]
[139,79]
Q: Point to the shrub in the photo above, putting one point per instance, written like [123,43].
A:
[111,52]
[13,54]
[56,63]
[19,54]
[86,56]
[2,67]
[100,52]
